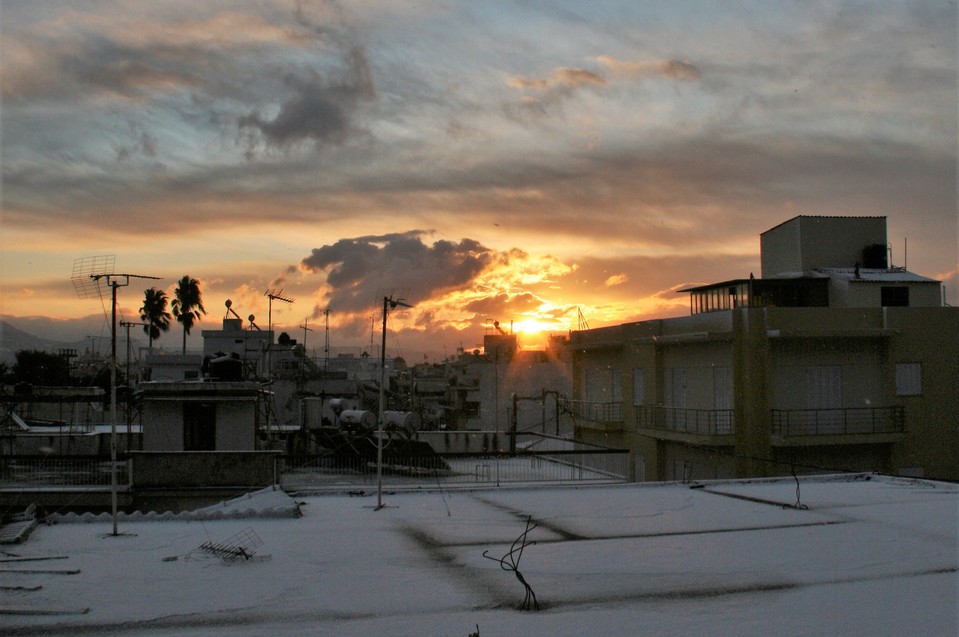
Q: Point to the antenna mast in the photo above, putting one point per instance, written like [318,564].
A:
[278,295]
[389,303]
[305,329]
[326,345]
[85,271]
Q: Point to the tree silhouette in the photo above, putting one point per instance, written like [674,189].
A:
[187,304]
[154,313]
[41,368]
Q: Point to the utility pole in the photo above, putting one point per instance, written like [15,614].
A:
[388,303]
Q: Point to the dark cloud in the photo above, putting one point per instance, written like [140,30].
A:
[503,304]
[96,66]
[319,109]
[139,142]
[361,269]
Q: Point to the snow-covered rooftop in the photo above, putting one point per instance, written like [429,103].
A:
[891,275]
[861,554]
[884,275]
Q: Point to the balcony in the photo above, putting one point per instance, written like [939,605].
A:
[716,425]
[600,416]
[838,426]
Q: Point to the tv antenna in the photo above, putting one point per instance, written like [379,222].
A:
[274,295]
[326,343]
[305,327]
[583,323]
[88,272]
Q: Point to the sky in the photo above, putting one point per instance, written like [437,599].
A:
[873,556]
[535,163]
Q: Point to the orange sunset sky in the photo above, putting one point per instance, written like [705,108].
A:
[510,161]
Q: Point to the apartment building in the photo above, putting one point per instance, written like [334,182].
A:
[833,359]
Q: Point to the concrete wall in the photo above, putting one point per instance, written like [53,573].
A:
[929,337]
[809,242]
[186,469]
[851,293]
[684,463]
[780,249]
[698,362]
[859,360]
[235,425]
[770,351]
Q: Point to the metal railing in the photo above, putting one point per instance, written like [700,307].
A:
[709,422]
[830,422]
[300,473]
[538,458]
[69,471]
[597,412]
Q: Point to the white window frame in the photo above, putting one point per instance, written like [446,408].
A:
[639,386]
[908,379]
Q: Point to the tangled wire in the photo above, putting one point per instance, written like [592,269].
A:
[510,562]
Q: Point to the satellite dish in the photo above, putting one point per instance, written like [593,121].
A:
[228,304]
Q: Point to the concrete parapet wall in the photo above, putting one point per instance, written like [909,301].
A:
[184,469]
[465,441]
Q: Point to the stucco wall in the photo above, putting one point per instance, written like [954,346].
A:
[153,470]
[235,425]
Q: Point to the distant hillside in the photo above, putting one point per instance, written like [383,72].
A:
[13,340]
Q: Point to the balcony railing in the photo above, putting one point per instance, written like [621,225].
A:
[708,422]
[838,422]
[597,412]
[69,471]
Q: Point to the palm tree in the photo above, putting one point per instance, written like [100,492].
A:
[187,304]
[154,314]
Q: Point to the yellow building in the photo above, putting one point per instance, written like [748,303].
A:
[831,360]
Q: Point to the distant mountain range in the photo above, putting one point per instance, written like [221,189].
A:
[78,334]
[85,334]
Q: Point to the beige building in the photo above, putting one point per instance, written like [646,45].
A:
[832,360]
[202,416]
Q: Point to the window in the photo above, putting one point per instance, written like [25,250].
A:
[639,386]
[722,388]
[824,399]
[722,400]
[678,388]
[616,394]
[199,426]
[894,296]
[908,379]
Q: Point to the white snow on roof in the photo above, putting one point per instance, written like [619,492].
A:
[892,275]
[864,555]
